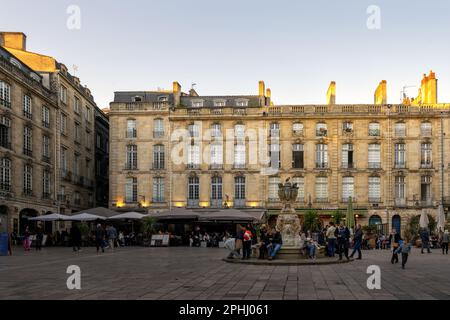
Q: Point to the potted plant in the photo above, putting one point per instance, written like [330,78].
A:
[148,226]
[311,221]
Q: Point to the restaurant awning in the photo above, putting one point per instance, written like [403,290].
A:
[231,215]
[175,214]
[50,217]
[209,215]
[128,216]
[100,211]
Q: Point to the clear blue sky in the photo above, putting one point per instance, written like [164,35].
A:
[225,47]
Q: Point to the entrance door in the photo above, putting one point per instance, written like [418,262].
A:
[396,223]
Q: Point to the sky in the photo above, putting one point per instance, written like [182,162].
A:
[226,47]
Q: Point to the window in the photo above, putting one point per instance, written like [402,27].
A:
[88,114]
[425,129]
[137,99]
[321,156]
[76,165]
[216,130]
[28,180]
[297,129]
[194,130]
[321,130]
[88,139]
[63,124]
[348,186]
[241,103]
[347,156]
[347,127]
[193,154]
[239,156]
[5,94]
[76,198]
[98,141]
[239,131]
[5,174]
[239,191]
[273,188]
[63,94]
[425,190]
[216,192]
[46,117]
[219,103]
[400,155]
[76,105]
[374,189]
[216,150]
[400,188]
[77,130]
[131,128]
[158,128]
[400,129]
[5,132]
[275,130]
[27,108]
[158,157]
[131,190]
[321,189]
[274,156]
[298,156]
[193,191]
[163,99]
[197,103]
[300,181]
[374,156]
[46,184]
[131,157]
[158,189]
[425,155]
[374,129]
[63,159]
[27,141]
[88,169]
[46,148]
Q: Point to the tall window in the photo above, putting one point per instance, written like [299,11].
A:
[425,189]
[321,130]
[88,170]
[5,132]
[194,130]
[158,128]
[275,130]
[5,174]
[46,148]
[28,180]
[374,189]
[273,188]
[131,157]
[400,129]
[216,192]
[297,129]
[239,155]
[63,159]
[27,108]
[297,156]
[5,94]
[425,155]
[347,156]
[239,191]
[374,156]
[216,130]
[46,117]
[46,184]
[131,188]
[63,124]
[274,155]
[76,198]
[193,191]
[321,189]
[193,154]
[400,188]
[216,150]
[374,129]
[348,186]
[158,157]
[425,129]
[76,165]
[300,181]
[63,94]
[27,141]
[88,114]
[158,189]
[88,139]
[131,128]
[77,105]
[321,155]
[239,131]
[400,155]
[77,134]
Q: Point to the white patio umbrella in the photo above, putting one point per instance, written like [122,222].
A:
[423,222]
[85,217]
[132,215]
[441,219]
[50,217]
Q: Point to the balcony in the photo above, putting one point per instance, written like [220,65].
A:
[426,202]
[426,165]
[27,152]
[274,199]
[400,202]
[130,166]
[322,200]
[347,165]
[158,199]
[239,166]
[374,132]
[321,133]
[374,165]
[215,166]
[193,166]
[193,202]
[5,103]
[374,199]
[400,165]
[158,166]
[321,165]
[158,134]
[400,133]
[239,203]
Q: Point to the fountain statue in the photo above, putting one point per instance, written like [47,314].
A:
[288,222]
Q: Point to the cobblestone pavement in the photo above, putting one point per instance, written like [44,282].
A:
[199,273]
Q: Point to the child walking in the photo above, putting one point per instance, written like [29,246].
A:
[404,249]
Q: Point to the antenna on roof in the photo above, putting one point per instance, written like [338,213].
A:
[193,85]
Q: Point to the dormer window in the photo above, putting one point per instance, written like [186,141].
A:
[197,103]
[241,103]
[163,99]
[219,103]
[137,99]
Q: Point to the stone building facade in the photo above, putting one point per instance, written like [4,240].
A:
[101,158]
[175,149]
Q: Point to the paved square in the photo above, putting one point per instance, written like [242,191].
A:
[199,273]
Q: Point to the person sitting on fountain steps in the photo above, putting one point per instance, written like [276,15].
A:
[275,243]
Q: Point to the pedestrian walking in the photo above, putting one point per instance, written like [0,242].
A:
[425,237]
[444,242]
[357,241]
[100,238]
[331,239]
[112,235]
[39,237]
[404,248]
[394,239]
[75,235]
[26,239]
[342,240]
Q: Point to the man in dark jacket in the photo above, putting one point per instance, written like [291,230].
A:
[357,241]
[343,238]
[75,235]
[39,237]
[425,237]
[100,237]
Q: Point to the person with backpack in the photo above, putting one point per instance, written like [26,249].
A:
[247,243]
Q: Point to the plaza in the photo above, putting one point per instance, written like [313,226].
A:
[188,273]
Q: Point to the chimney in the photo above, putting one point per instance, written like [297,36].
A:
[14,40]
[268,95]
[432,88]
[262,88]
[176,87]
[331,93]
[380,96]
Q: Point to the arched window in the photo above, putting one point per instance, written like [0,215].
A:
[374,220]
